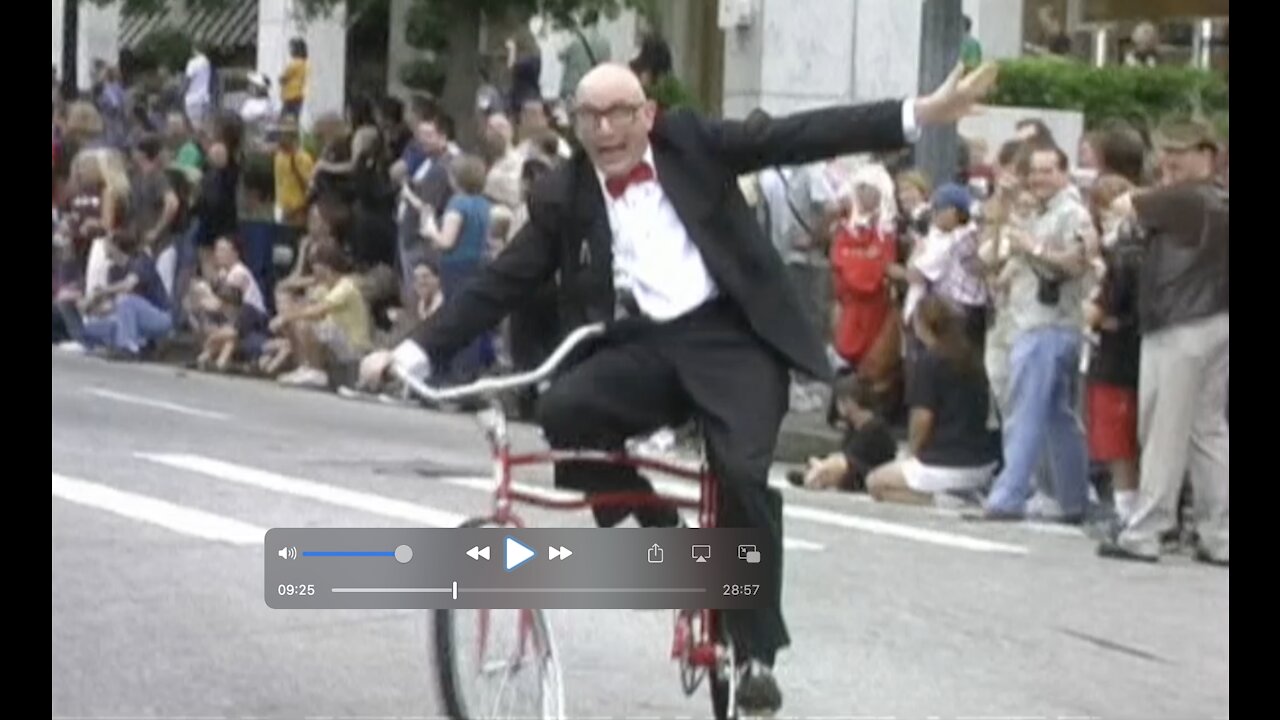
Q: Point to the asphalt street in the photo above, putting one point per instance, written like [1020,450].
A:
[164,481]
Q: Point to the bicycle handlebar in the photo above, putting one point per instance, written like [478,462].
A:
[493,385]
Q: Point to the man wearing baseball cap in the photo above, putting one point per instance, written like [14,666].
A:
[1183,308]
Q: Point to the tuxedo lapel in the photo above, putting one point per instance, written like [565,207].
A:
[688,194]
[591,244]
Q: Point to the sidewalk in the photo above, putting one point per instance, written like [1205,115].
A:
[804,435]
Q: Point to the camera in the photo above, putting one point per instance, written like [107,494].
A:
[1049,291]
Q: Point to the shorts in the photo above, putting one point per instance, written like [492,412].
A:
[933,479]
[1113,422]
[334,337]
[250,346]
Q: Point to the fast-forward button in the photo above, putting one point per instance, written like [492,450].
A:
[559,553]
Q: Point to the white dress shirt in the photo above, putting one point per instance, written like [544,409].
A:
[653,257]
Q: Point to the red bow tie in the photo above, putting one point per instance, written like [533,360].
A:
[639,174]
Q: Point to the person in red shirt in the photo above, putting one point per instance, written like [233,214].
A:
[861,252]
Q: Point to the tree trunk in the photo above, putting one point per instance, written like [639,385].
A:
[462,76]
[70,46]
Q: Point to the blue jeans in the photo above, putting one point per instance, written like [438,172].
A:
[184,270]
[1042,417]
[134,323]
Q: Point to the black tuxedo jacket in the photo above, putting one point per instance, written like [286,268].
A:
[698,163]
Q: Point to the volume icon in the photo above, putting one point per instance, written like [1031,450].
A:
[288,553]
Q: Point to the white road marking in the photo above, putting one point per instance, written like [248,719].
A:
[298,487]
[157,404]
[871,525]
[432,517]
[904,532]
[556,494]
[178,518]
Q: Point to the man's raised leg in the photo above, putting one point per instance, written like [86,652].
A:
[622,390]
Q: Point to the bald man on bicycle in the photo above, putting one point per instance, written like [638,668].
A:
[646,229]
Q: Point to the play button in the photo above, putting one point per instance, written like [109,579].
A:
[517,554]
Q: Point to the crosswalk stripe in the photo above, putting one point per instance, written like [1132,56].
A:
[298,487]
[556,494]
[178,518]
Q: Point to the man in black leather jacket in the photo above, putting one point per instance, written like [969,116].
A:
[1183,307]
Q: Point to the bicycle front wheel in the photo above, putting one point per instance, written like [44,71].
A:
[497,663]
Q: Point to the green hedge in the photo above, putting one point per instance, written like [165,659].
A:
[1141,96]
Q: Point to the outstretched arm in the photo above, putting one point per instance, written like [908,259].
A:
[762,141]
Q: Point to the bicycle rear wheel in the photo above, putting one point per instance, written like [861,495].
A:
[724,676]
[497,663]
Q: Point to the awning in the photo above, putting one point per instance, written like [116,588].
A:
[231,24]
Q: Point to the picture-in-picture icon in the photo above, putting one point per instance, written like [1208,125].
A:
[749,553]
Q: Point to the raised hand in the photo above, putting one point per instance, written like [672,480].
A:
[958,95]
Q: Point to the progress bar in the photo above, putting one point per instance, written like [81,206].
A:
[453,590]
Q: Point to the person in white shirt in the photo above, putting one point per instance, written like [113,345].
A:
[647,229]
[198,90]
[258,111]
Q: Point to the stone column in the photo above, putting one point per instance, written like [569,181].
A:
[937,152]
[281,20]
[57,35]
[99,40]
[399,51]
[791,56]
[794,56]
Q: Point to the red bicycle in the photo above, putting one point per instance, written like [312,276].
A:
[494,663]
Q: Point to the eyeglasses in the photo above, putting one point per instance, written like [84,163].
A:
[619,116]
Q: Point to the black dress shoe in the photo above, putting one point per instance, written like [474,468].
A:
[1116,551]
[758,692]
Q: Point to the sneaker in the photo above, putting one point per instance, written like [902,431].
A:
[71,346]
[1203,556]
[758,692]
[1043,507]
[992,516]
[1116,551]
[306,377]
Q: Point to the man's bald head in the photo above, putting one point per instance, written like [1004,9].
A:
[610,81]
[612,118]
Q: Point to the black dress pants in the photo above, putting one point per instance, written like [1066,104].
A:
[708,365]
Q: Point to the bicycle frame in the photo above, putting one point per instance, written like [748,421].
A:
[695,647]
[699,651]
